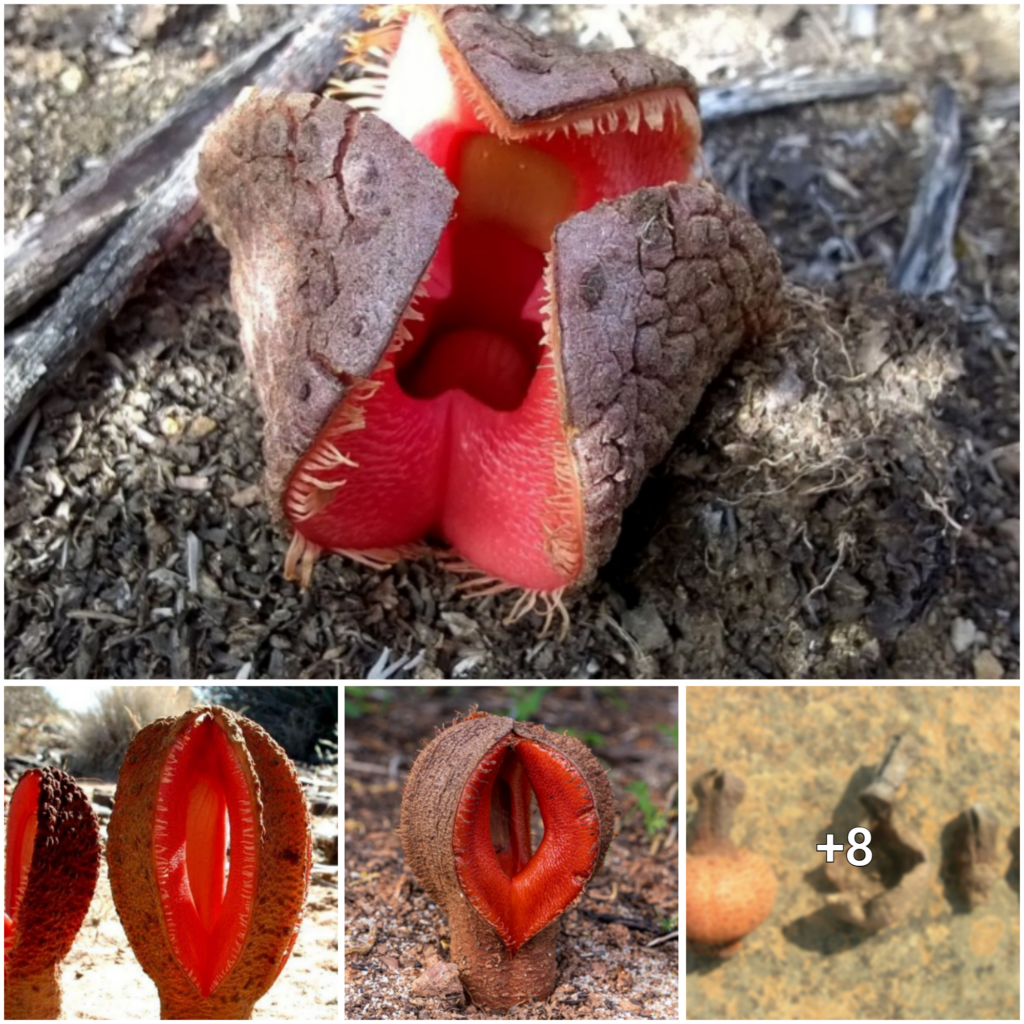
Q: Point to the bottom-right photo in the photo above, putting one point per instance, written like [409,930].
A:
[853,852]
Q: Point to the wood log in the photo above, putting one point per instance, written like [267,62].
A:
[775,92]
[53,244]
[37,353]
[926,264]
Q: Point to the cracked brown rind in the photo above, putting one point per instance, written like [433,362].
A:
[331,219]
[653,293]
[61,881]
[532,79]
[283,863]
[430,802]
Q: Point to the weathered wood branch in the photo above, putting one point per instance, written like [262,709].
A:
[728,102]
[39,352]
[53,244]
[926,264]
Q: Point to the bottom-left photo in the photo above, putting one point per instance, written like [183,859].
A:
[170,852]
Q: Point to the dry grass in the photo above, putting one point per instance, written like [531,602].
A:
[103,734]
[27,711]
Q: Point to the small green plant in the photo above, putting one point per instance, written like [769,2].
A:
[616,699]
[525,701]
[669,924]
[361,699]
[672,731]
[654,819]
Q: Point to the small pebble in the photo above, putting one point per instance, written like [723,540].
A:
[1009,531]
[962,635]
[72,78]
[987,666]
[647,627]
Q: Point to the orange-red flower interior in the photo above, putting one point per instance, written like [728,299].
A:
[516,890]
[462,430]
[193,790]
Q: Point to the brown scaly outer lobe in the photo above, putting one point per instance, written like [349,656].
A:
[331,220]
[429,805]
[65,865]
[282,872]
[654,293]
[533,79]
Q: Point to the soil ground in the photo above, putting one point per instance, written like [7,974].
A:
[844,504]
[102,980]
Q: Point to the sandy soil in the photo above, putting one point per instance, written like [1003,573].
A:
[102,980]
[805,754]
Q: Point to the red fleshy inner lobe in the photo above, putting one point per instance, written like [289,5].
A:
[464,439]
[20,843]
[519,894]
[207,908]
